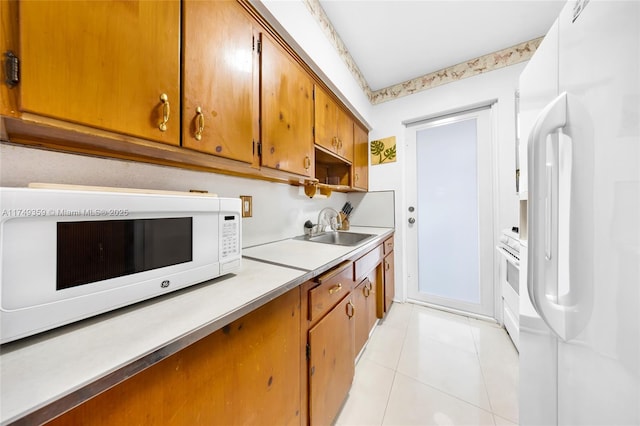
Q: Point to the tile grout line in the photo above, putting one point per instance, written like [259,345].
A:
[446,393]
[467,322]
[395,369]
[408,317]
[482,372]
[484,381]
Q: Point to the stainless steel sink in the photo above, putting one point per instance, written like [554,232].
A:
[337,238]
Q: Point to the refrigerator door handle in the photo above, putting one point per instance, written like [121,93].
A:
[566,315]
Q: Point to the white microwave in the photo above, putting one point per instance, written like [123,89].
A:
[68,254]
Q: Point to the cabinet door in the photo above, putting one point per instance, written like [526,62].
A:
[332,126]
[103,64]
[247,373]
[389,281]
[220,96]
[360,158]
[364,300]
[372,317]
[287,111]
[360,295]
[325,116]
[331,362]
[344,130]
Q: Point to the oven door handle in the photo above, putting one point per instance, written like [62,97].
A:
[508,257]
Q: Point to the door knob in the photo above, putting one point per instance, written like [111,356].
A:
[412,220]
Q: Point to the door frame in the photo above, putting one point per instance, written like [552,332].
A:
[489,266]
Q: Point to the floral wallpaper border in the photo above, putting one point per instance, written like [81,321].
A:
[319,14]
[493,61]
[490,62]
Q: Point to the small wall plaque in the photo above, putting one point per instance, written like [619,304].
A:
[383,150]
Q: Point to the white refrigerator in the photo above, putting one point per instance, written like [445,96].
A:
[580,219]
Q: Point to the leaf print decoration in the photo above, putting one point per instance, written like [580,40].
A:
[383,150]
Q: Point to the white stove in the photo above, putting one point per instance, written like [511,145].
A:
[510,243]
[509,247]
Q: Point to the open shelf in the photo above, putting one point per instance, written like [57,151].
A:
[332,170]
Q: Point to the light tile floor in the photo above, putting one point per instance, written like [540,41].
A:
[427,367]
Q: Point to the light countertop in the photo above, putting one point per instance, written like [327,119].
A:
[299,254]
[43,375]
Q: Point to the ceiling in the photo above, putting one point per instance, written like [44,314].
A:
[393,41]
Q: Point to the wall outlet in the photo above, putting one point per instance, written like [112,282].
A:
[247,205]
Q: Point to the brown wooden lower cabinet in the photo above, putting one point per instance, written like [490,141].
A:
[290,362]
[331,362]
[389,281]
[389,273]
[329,333]
[246,373]
[364,299]
[386,284]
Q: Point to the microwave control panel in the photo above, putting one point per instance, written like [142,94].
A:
[230,241]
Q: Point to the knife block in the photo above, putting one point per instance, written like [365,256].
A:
[345,222]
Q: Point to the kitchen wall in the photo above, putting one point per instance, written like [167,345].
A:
[279,210]
[388,117]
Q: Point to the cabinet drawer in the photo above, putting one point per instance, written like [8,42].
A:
[333,286]
[367,263]
[388,245]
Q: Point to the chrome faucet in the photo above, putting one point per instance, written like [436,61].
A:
[335,222]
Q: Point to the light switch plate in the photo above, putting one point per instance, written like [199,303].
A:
[247,205]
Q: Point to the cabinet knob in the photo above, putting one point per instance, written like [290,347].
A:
[199,124]
[307,162]
[164,99]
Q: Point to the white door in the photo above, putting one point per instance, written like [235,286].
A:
[450,214]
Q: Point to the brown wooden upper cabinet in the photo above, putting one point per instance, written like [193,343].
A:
[113,65]
[220,72]
[333,127]
[286,111]
[360,158]
[210,78]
